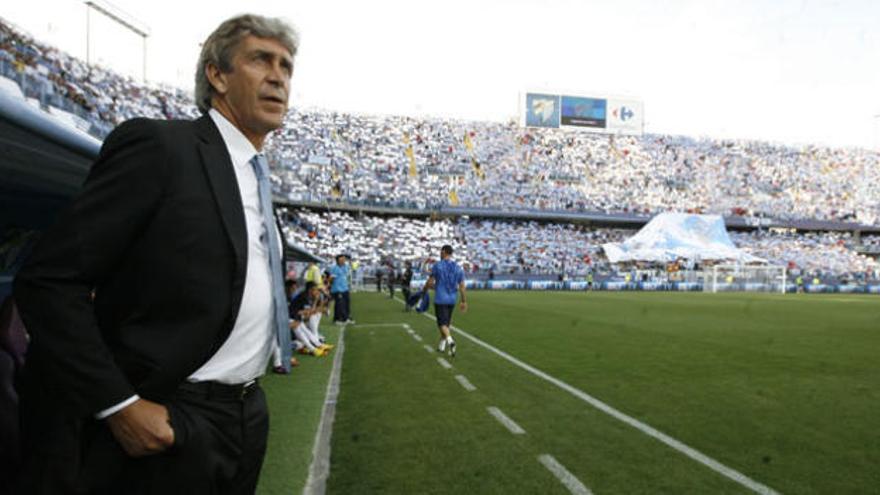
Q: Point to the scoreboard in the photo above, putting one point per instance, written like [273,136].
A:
[605,115]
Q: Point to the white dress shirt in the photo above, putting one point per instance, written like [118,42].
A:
[246,352]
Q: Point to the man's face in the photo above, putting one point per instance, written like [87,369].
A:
[256,91]
[314,291]
[340,261]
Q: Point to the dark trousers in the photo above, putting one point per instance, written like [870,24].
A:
[341,302]
[219,444]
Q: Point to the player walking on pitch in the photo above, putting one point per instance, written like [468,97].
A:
[447,279]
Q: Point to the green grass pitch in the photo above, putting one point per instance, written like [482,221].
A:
[782,389]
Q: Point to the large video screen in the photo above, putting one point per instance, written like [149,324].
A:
[584,112]
[604,115]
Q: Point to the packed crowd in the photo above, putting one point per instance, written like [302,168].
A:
[511,247]
[324,156]
[371,240]
[872,241]
[821,254]
[425,162]
[429,163]
[530,247]
[100,98]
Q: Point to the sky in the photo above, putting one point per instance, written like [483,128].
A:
[789,71]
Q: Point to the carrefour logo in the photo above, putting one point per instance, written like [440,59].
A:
[623,113]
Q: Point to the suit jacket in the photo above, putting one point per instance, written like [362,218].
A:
[13,342]
[136,286]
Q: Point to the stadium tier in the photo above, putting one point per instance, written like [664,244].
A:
[425,163]
[323,155]
[550,249]
[361,159]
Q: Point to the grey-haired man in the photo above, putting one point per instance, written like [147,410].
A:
[151,387]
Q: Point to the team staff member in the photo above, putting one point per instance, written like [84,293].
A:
[314,322]
[313,274]
[447,279]
[391,277]
[151,386]
[340,276]
[405,283]
[302,307]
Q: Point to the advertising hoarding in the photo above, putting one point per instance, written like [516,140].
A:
[603,115]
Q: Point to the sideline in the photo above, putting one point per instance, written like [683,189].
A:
[319,471]
[652,432]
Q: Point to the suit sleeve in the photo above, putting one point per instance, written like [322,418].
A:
[53,290]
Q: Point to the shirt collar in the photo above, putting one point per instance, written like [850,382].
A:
[240,149]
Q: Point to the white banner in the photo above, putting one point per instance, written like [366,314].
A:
[671,236]
[625,116]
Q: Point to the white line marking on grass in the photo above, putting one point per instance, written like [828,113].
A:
[506,421]
[848,300]
[428,348]
[444,363]
[573,484]
[373,325]
[652,432]
[465,383]
[319,471]
[417,337]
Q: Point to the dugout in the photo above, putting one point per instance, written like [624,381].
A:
[42,165]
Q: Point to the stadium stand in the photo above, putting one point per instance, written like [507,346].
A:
[548,249]
[323,155]
[89,97]
[340,159]
[363,159]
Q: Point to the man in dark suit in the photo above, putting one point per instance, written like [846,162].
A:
[153,304]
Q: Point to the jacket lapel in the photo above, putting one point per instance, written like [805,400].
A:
[221,175]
